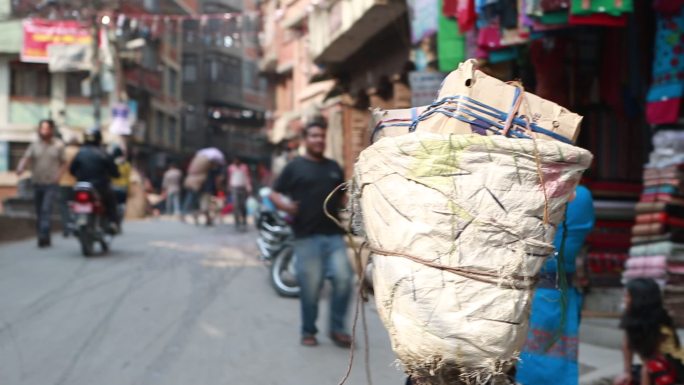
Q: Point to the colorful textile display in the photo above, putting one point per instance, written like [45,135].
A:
[450,44]
[503,23]
[658,236]
[609,7]
[667,85]
[668,6]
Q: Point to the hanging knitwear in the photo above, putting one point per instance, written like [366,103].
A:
[450,44]
[599,19]
[668,6]
[667,85]
[466,15]
[610,7]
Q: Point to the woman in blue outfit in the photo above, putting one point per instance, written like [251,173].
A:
[550,355]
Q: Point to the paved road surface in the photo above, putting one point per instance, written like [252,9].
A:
[172,304]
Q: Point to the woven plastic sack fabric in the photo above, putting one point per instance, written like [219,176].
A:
[473,207]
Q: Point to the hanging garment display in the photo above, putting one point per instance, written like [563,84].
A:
[611,7]
[668,6]
[450,44]
[489,37]
[555,18]
[466,16]
[505,12]
[120,124]
[524,19]
[450,8]
[508,13]
[667,85]
[554,5]
[533,8]
[503,55]
[598,19]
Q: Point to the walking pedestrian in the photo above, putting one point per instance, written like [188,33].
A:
[67,183]
[171,188]
[121,183]
[239,187]
[208,193]
[45,156]
[197,188]
[319,244]
[551,350]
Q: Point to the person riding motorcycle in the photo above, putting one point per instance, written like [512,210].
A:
[93,165]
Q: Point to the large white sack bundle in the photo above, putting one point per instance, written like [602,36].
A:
[459,226]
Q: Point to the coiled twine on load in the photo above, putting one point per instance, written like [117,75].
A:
[459,227]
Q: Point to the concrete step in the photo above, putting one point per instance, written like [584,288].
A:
[24,207]
[16,228]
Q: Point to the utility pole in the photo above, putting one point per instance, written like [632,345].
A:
[95,83]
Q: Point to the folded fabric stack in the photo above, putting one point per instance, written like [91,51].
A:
[658,234]
[609,242]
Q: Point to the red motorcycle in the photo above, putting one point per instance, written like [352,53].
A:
[89,219]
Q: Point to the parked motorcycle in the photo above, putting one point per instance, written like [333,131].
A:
[276,247]
[89,219]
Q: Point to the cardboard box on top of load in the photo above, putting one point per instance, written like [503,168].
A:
[479,103]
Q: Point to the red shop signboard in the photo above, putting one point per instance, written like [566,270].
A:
[39,34]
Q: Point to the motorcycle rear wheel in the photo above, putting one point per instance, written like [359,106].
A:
[87,243]
[283,276]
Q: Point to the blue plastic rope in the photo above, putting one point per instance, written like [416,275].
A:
[488,110]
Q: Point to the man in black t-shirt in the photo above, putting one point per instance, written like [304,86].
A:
[319,246]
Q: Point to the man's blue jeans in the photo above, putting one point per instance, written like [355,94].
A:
[319,257]
[44,197]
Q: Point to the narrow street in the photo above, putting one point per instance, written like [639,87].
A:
[171,304]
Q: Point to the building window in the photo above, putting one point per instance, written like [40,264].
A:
[224,69]
[189,68]
[189,121]
[222,33]
[251,75]
[31,80]
[173,82]
[150,57]
[173,33]
[213,65]
[159,127]
[74,81]
[190,31]
[173,135]
[232,68]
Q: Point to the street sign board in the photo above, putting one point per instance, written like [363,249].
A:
[425,87]
[39,34]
